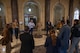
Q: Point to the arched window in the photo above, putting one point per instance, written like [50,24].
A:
[59,12]
[2,17]
[76,14]
[31,11]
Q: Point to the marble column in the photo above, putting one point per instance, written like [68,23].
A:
[71,13]
[14,7]
[47,11]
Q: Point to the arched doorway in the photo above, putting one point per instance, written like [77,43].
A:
[2,17]
[31,11]
[59,13]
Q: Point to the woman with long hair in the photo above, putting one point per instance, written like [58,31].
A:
[50,43]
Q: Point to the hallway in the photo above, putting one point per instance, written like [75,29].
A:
[40,11]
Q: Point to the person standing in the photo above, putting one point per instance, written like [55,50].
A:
[11,31]
[6,38]
[31,26]
[75,37]
[27,41]
[64,36]
[73,31]
[48,26]
[51,43]
[15,28]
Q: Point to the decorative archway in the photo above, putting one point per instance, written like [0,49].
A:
[59,13]
[2,16]
[31,11]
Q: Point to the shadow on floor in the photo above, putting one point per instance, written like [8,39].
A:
[15,46]
[37,49]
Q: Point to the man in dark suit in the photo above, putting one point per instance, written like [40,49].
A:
[48,26]
[27,41]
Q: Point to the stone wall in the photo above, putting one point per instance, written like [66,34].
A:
[41,5]
[7,9]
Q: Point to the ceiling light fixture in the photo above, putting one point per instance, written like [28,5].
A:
[29,10]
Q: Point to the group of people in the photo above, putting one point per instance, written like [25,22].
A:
[60,43]
[53,43]
[26,38]
[7,33]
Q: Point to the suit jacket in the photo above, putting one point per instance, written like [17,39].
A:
[27,43]
[73,31]
[48,25]
[64,36]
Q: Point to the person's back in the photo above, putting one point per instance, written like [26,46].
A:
[64,36]
[50,44]
[27,43]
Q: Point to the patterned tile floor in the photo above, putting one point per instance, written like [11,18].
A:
[39,45]
[39,48]
[16,45]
